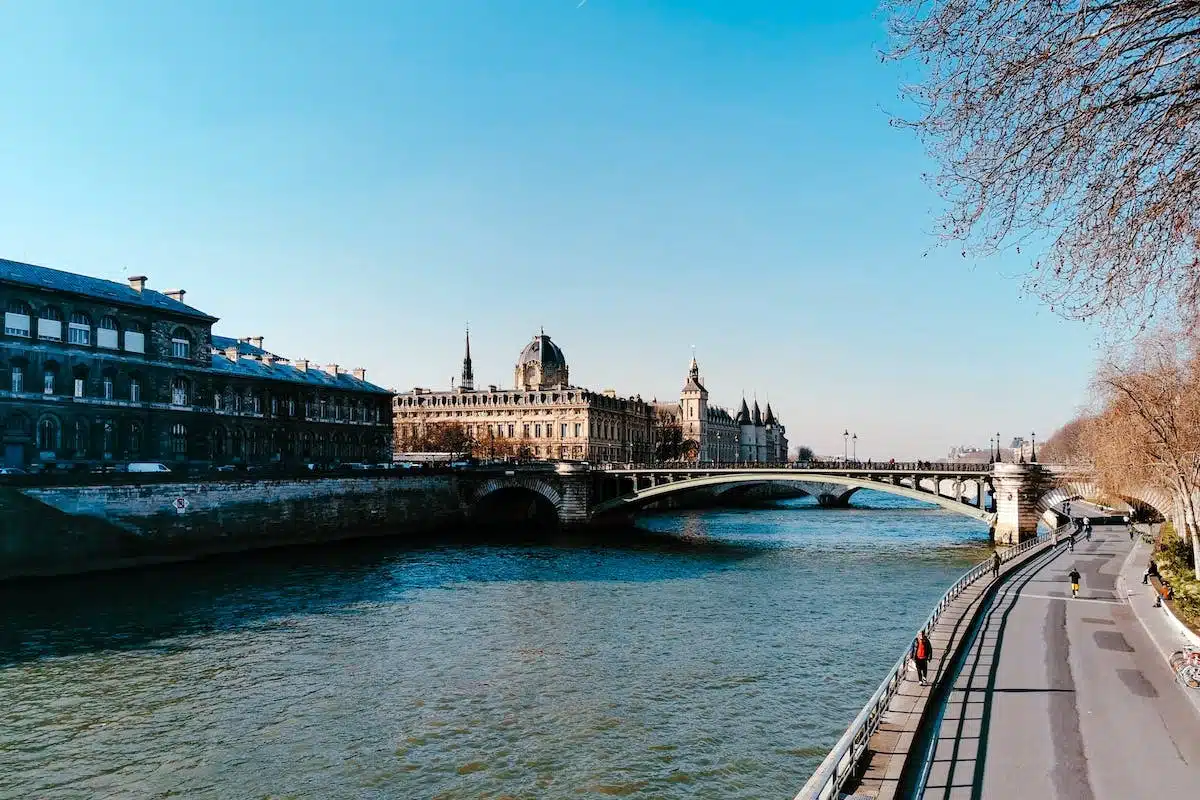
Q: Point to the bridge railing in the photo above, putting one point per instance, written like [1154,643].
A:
[844,759]
[840,466]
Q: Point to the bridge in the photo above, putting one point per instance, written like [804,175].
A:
[1020,495]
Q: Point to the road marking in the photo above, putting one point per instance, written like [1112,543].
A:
[1113,600]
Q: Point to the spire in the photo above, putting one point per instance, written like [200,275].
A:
[770,419]
[467,384]
[693,382]
[757,416]
[743,415]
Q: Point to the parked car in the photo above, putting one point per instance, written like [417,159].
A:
[12,471]
[148,466]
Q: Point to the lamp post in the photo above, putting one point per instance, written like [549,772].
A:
[991,450]
[1032,448]
[999,458]
[855,440]
[845,445]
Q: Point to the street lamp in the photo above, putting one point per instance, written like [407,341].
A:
[855,439]
[845,444]
[991,450]
[1032,448]
[999,458]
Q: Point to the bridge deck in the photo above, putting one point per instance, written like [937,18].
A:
[1063,697]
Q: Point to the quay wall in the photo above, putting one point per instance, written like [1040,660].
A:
[68,529]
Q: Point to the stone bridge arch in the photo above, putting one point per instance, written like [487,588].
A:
[536,485]
[1081,488]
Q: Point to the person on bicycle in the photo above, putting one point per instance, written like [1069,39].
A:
[1074,576]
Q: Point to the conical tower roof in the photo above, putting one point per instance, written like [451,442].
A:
[770,420]
[743,415]
[757,417]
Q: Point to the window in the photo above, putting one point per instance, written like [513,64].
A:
[106,334]
[510,430]
[110,438]
[537,430]
[80,329]
[181,348]
[79,386]
[48,382]
[525,431]
[16,319]
[50,324]
[563,431]
[135,438]
[81,438]
[108,388]
[274,406]
[135,391]
[18,380]
[135,340]
[179,392]
[549,430]
[179,439]
[577,427]
[47,435]
[218,400]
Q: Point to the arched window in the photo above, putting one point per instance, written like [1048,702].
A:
[135,438]
[16,318]
[306,445]
[110,438]
[79,331]
[179,392]
[107,334]
[181,343]
[50,324]
[237,450]
[179,440]
[47,434]
[135,338]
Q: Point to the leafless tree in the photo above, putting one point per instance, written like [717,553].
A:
[1148,432]
[1068,128]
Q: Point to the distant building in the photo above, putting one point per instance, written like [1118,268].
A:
[721,437]
[93,371]
[543,413]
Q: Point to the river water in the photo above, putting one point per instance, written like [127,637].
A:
[714,654]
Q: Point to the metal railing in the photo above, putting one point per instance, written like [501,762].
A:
[844,759]
[905,467]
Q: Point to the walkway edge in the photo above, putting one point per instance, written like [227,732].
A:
[1158,627]
[878,740]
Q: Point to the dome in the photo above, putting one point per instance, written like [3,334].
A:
[542,351]
[541,364]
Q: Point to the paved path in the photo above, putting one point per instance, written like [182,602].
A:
[1066,698]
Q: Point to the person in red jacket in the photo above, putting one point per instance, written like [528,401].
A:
[922,651]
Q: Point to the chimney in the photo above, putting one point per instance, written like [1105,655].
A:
[332,369]
[360,373]
[267,359]
[174,294]
[137,282]
[257,341]
[231,353]
[301,364]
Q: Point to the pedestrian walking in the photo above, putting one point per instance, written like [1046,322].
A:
[996,564]
[1151,572]
[1067,508]
[1071,543]
[1087,529]
[922,651]
[1074,576]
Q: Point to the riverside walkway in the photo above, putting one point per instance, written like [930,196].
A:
[1061,697]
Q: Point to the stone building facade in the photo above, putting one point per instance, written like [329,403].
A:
[93,372]
[723,438]
[543,413]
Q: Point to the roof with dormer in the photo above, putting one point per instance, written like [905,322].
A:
[37,277]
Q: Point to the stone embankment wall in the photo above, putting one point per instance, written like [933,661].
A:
[58,530]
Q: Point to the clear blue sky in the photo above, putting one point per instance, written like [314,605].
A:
[356,180]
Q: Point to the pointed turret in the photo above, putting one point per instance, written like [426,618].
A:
[743,415]
[467,383]
[693,382]
[770,419]
[757,416]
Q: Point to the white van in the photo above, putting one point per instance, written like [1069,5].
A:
[147,466]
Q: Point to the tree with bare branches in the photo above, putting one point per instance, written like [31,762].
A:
[1069,127]
[1148,431]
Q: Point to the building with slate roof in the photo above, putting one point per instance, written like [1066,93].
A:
[543,416]
[95,372]
[719,437]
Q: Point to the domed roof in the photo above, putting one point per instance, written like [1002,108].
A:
[542,350]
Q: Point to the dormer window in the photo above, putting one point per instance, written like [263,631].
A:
[181,344]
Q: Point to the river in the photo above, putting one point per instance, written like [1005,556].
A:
[714,654]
